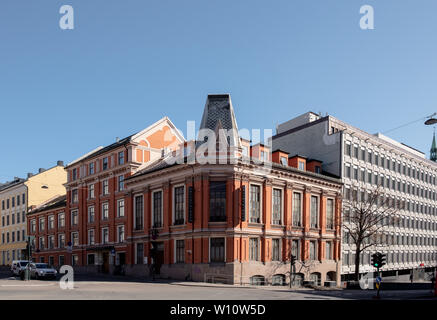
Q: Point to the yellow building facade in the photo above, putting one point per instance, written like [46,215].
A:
[19,196]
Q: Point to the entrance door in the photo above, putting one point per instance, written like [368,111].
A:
[159,256]
[105,267]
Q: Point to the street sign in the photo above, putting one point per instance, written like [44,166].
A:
[378,279]
[113,252]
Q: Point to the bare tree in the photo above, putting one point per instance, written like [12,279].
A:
[365,218]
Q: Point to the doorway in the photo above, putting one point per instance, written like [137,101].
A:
[105,266]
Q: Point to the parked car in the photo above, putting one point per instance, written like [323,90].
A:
[42,271]
[18,266]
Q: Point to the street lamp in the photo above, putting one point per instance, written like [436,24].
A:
[431,120]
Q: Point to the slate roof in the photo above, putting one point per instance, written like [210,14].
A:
[219,112]
[57,202]
[11,184]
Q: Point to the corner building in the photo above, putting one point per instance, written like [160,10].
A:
[235,222]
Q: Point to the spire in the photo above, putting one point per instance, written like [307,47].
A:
[219,114]
[433,153]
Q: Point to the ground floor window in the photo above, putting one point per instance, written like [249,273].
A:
[75,260]
[180,251]
[254,249]
[217,250]
[91,259]
[41,259]
[61,260]
[257,280]
[140,253]
[51,261]
[278,280]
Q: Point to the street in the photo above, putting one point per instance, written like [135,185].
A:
[124,288]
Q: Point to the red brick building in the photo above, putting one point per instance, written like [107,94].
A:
[93,232]
[237,220]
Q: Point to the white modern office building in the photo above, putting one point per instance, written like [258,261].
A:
[363,161]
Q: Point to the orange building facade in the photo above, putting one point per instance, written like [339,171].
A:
[235,222]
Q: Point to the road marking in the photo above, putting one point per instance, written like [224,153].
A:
[26,285]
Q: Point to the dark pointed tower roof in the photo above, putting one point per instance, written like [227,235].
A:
[433,154]
[219,114]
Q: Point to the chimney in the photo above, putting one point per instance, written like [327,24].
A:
[41,170]
[117,139]
[60,163]
[29,174]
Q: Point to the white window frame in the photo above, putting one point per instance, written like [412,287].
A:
[162,206]
[89,237]
[103,235]
[103,204]
[281,206]
[118,208]
[318,210]
[261,199]
[174,203]
[118,233]
[301,208]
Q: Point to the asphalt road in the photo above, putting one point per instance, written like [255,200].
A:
[122,288]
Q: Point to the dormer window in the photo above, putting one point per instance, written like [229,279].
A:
[301,165]
[284,161]
[317,169]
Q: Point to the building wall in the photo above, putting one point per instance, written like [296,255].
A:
[315,141]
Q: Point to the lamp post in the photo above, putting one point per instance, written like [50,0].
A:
[431,119]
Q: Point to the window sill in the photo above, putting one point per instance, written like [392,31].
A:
[255,224]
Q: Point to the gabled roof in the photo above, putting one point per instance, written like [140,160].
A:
[11,184]
[101,150]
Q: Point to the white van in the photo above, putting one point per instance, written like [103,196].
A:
[17,266]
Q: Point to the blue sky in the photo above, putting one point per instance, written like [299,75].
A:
[129,63]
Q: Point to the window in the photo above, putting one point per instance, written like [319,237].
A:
[179,204]
[51,242]
[33,226]
[217,201]
[91,191]
[297,209]
[138,213]
[301,165]
[61,260]
[61,241]
[51,222]
[91,214]
[140,253]
[277,206]
[157,209]
[18,200]
[105,187]
[105,235]
[61,220]
[120,208]
[295,249]
[276,250]
[91,168]
[120,233]
[217,250]
[254,249]
[314,212]
[120,183]
[313,250]
[74,174]
[41,224]
[255,204]
[121,157]
[91,237]
[74,196]
[330,214]
[105,211]
[75,238]
[284,161]
[75,260]
[180,251]
[91,259]
[41,243]
[348,149]
[328,251]
[74,218]
[105,163]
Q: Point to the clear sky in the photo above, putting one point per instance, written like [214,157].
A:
[128,63]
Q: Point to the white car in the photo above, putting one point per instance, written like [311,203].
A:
[18,266]
[41,271]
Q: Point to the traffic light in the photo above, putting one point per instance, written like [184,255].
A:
[293,260]
[375,260]
[381,260]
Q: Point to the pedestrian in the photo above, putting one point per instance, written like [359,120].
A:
[411,278]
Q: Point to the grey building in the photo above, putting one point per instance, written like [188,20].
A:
[363,161]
